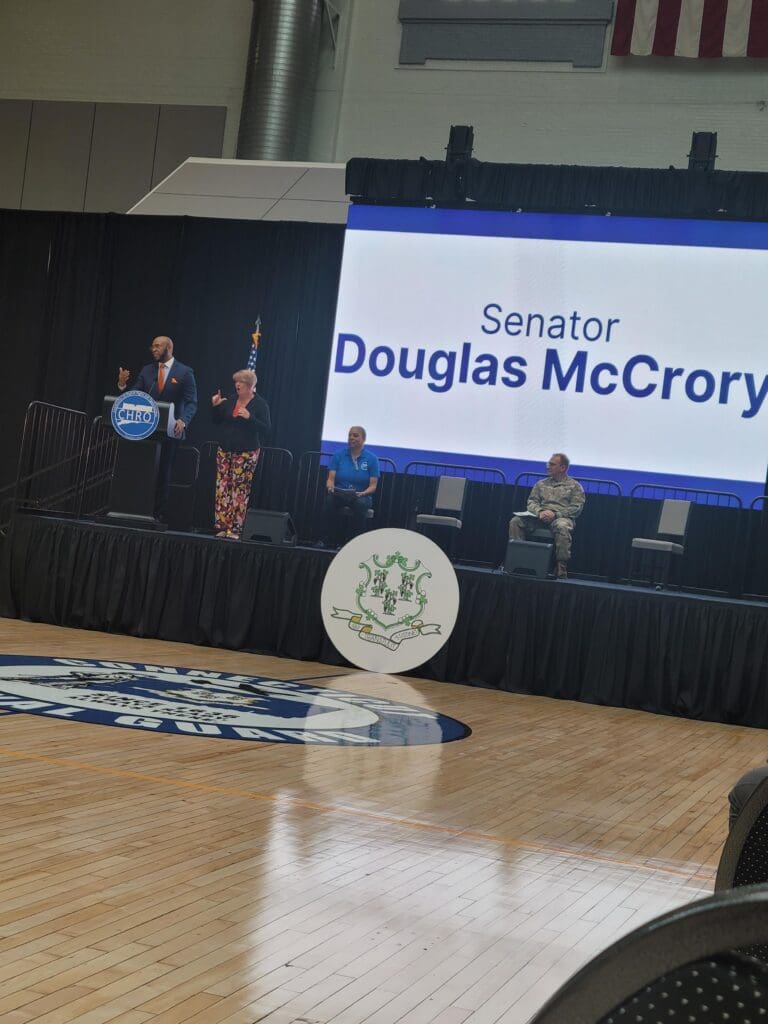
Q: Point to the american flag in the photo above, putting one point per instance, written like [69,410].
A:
[254,349]
[691,28]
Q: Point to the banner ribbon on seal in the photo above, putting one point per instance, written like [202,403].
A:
[365,631]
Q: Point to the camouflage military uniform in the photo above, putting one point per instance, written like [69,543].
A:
[566,499]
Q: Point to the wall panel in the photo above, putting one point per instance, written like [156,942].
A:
[122,154]
[15,116]
[57,158]
[186,131]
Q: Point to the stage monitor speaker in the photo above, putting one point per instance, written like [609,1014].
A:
[268,527]
[528,556]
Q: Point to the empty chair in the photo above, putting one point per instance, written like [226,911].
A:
[448,509]
[682,966]
[656,555]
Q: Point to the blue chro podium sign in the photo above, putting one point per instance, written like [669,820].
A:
[136,417]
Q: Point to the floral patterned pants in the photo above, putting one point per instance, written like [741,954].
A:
[234,473]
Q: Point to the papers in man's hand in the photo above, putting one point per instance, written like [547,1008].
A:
[525,515]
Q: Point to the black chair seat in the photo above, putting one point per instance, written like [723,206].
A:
[425,519]
[685,967]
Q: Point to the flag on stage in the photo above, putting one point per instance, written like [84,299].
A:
[254,350]
[691,28]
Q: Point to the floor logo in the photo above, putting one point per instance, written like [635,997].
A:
[390,600]
[217,705]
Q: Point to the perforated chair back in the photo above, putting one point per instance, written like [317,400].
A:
[699,992]
[450,494]
[744,860]
[744,857]
[673,518]
[679,967]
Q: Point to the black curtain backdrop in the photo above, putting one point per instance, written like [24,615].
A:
[25,243]
[667,653]
[82,294]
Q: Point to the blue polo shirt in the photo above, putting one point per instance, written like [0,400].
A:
[354,474]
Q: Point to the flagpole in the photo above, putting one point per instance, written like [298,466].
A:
[254,349]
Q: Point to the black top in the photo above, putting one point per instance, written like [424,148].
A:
[238,434]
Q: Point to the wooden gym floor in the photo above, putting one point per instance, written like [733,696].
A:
[149,878]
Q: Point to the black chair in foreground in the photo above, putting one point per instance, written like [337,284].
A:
[680,968]
[655,555]
[744,860]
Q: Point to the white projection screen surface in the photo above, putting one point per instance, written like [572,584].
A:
[483,338]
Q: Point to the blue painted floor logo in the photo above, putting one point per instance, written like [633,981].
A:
[215,705]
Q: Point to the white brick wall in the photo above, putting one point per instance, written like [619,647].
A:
[633,113]
[129,51]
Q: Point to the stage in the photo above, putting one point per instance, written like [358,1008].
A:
[665,652]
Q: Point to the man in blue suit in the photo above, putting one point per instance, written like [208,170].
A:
[166,380]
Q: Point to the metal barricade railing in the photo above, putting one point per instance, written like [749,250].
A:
[755,548]
[385,498]
[591,485]
[309,494]
[183,492]
[66,465]
[270,488]
[51,458]
[486,511]
[272,480]
[7,503]
[99,466]
[479,474]
[713,499]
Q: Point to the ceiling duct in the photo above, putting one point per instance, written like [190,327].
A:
[280,78]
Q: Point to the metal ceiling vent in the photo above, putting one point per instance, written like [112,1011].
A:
[280,80]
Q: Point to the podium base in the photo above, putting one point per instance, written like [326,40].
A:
[131,519]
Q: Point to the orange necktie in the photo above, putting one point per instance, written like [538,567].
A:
[160,377]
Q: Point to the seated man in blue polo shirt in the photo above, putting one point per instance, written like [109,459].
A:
[353,475]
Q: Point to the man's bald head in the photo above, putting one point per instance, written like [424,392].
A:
[161,348]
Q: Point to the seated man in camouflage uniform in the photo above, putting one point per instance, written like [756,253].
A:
[555,502]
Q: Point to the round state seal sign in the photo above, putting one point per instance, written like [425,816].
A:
[135,415]
[390,600]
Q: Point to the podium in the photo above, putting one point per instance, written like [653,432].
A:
[141,425]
